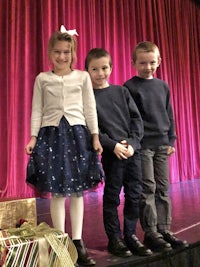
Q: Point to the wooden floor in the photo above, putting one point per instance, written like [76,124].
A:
[185,198]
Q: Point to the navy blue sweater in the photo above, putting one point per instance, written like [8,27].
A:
[118,117]
[152,98]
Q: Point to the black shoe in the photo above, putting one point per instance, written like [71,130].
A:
[118,248]
[83,257]
[174,241]
[136,247]
[155,242]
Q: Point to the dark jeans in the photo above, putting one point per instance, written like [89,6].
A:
[126,173]
[155,201]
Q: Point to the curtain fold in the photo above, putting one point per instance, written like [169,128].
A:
[116,25]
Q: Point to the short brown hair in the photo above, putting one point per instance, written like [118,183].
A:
[145,46]
[96,53]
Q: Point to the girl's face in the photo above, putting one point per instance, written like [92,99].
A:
[100,70]
[146,64]
[61,56]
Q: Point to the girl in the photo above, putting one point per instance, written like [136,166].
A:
[64,144]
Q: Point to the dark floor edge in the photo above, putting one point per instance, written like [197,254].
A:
[187,257]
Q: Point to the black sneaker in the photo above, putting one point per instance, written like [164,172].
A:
[155,242]
[118,248]
[174,241]
[136,247]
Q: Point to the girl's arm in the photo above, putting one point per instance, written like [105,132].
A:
[29,147]
[96,144]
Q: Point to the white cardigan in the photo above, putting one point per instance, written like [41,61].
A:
[57,96]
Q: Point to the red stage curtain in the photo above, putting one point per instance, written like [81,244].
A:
[117,25]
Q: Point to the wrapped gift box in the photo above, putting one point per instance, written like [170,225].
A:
[39,246]
[12,211]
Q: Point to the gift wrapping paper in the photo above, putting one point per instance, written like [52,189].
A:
[11,211]
[40,246]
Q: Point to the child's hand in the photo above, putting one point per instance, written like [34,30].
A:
[170,150]
[98,148]
[120,151]
[130,152]
[124,143]
[96,144]
[30,145]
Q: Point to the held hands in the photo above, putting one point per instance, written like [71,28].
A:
[29,147]
[170,150]
[123,150]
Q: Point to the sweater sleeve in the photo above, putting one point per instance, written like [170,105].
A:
[37,108]
[89,105]
[136,123]
[172,131]
[107,142]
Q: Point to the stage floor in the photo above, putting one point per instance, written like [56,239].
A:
[185,198]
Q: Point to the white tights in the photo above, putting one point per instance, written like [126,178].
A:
[57,209]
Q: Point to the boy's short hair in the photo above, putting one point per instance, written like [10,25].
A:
[146,46]
[96,53]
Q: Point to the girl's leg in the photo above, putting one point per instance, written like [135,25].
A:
[76,216]
[57,210]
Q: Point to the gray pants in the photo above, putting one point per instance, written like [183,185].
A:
[155,211]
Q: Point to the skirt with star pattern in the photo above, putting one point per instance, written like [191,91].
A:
[63,161]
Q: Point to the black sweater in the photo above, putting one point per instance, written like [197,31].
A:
[118,117]
[152,98]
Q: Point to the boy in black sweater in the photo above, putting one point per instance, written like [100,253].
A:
[152,98]
[121,130]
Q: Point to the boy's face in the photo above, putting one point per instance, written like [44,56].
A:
[100,70]
[146,63]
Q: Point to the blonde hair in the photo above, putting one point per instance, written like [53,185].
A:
[65,37]
[145,46]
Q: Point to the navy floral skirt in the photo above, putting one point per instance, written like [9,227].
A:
[63,160]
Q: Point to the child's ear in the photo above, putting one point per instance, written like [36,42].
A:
[111,68]
[132,63]
[159,61]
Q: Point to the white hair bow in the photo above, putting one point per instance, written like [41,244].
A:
[70,32]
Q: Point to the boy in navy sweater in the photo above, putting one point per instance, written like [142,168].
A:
[152,97]
[121,130]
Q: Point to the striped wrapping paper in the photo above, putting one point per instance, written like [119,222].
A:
[33,252]
[17,252]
